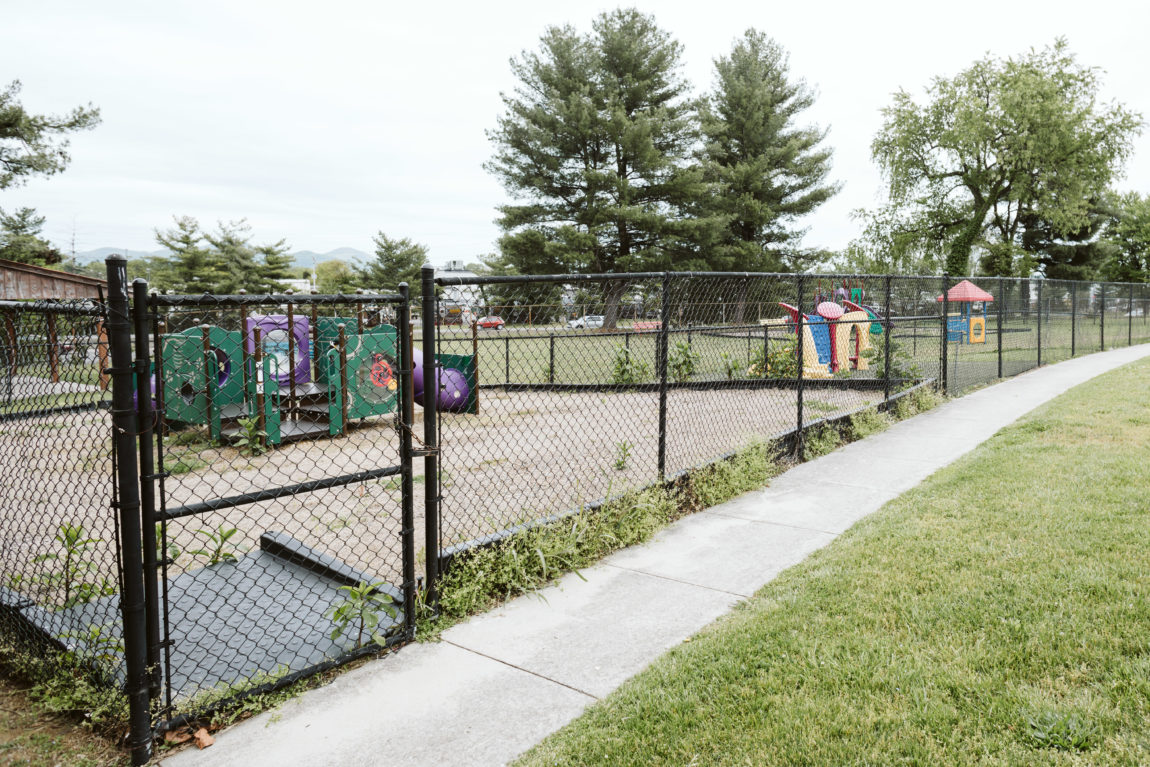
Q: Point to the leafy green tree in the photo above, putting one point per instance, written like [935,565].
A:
[595,143]
[20,239]
[336,276]
[1001,140]
[1128,232]
[32,144]
[396,261]
[193,268]
[766,171]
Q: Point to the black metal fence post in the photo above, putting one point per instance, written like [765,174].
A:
[507,359]
[430,314]
[1073,319]
[1001,309]
[551,359]
[1040,323]
[147,480]
[661,366]
[1130,318]
[945,335]
[124,425]
[1102,317]
[406,457]
[886,345]
[799,323]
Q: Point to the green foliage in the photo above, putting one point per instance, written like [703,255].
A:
[173,552]
[732,366]
[1060,730]
[622,455]
[481,577]
[867,422]
[361,608]
[73,557]
[32,144]
[781,362]
[595,141]
[626,370]
[747,470]
[252,439]
[901,363]
[65,683]
[1128,233]
[396,261]
[20,239]
[334,276]
[182,462]
[99,643]
[219,547]
[819,441]
[964,168]
[681,362]
[766,171]
[224,261]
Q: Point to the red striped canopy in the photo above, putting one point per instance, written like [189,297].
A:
[966,291]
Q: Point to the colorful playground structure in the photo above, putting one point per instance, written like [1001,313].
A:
[967,325]
[834,338]
[299,377]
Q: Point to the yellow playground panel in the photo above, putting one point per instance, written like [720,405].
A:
[845,355]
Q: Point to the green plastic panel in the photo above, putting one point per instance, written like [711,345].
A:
[464,363]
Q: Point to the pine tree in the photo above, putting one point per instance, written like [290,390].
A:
[766,171]
[596,143]
[396,261]
[194,270]
[20,239]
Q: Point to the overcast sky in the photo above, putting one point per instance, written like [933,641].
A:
[323,123]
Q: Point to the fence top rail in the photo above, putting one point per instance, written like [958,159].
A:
[209,299]
[82,307]
[447,280]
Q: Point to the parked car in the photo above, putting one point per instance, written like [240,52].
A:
[491,321]
[587,321]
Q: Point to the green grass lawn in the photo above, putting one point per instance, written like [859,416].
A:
[997,614]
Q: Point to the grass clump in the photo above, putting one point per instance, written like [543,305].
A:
[994,615]
[485,576]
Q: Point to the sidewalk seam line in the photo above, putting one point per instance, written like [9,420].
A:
[676,580]
[520,668]
[728,515]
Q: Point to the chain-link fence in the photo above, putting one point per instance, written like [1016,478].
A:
[280,538]
[205,497]
[59,540]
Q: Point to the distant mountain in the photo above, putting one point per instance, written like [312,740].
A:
[306,258]
[99,254]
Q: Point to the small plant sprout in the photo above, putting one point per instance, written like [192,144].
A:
[732,367]
[218,547]
[622,454]
[361,610]
[73,557]
[626,370]
[173,551]
[251,439]
[682,362]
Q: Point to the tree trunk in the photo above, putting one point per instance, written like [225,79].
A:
[612,295]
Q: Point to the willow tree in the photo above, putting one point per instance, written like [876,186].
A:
[594,147]
[1001,142]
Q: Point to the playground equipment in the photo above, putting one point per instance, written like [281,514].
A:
[832,339]
[299,378]
[966,325]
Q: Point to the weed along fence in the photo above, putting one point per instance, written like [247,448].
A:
[207,497]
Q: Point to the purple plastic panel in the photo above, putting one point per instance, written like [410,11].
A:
[274,338]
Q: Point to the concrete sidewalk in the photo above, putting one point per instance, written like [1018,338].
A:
[504,680]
